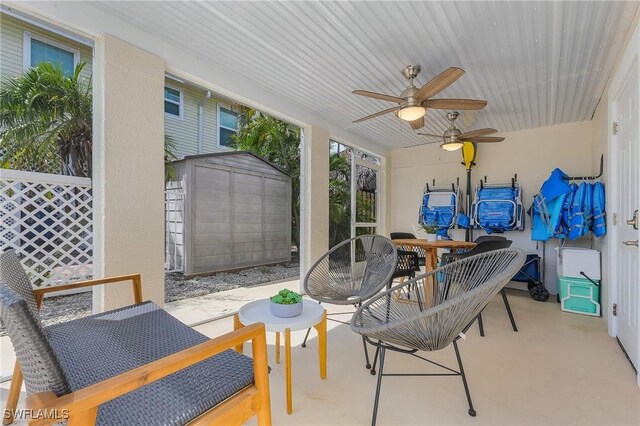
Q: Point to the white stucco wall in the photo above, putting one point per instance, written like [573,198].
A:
[129,170]
[315,196]
[532,154]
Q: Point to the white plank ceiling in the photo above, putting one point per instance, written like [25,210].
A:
[536,63]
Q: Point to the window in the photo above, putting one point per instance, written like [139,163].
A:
[39,49]
[173,102]
[227,125]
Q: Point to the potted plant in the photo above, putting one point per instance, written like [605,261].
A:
[431,230]
[286,304]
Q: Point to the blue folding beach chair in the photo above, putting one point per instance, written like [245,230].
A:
[498,208]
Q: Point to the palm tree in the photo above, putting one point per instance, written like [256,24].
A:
[278,142]
[46,121]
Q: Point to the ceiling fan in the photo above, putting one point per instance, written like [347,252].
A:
[453,138]
[413,102]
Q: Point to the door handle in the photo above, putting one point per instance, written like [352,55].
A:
[634,220]
[630,243]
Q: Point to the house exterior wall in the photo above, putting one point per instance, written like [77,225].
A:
[12,46]
[184,130]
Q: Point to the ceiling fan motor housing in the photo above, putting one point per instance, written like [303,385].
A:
[451,135]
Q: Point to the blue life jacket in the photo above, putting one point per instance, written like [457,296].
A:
[578,224]
[587,208]
[599,226]
[566,211]
[548,206]
[538,227]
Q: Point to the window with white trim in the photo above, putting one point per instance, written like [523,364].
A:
[37,49]
[227,125]
[173,102]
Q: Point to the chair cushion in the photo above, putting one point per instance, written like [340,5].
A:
[102,346]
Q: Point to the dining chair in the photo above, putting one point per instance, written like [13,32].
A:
[422,254]
[485,245]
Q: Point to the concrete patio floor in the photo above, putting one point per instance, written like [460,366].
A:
[559,369]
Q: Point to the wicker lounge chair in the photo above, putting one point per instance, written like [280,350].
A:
[134,365]
[403,320]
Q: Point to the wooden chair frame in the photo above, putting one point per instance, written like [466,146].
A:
[82,405]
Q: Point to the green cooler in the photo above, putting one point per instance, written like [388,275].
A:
[579,295]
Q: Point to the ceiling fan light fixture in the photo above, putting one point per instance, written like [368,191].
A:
[452,146]
[410,113]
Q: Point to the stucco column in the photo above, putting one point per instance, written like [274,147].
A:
[128,170]
[315,196]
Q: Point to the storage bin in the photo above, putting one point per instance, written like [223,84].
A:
[572,261]
[579,295]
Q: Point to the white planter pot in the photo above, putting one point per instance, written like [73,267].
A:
[432,237]
[285,311]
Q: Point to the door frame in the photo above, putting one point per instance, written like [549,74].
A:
[630,58]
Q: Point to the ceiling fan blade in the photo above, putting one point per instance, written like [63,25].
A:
[417,124]
[379,113]
[454,104]
[485,139]
[475,133]
[380,96]
[438,83]
[421,144]
[430,135]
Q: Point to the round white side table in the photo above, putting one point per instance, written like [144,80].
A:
[313,315]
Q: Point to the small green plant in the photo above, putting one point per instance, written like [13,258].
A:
[286,297]
[429,228]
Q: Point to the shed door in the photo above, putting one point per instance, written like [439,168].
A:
[212,218]
[248,199]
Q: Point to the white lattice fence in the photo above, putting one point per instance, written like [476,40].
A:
[174,227]
[47,219]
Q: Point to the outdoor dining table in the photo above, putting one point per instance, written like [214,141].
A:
[431,248]
[431,257]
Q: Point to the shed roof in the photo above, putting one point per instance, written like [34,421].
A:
[232,153]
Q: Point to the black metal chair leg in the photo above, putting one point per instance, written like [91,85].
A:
[366,353]
[472,412]
[375,360]
[375,404]
[506,305]
[480,326]
[304,342]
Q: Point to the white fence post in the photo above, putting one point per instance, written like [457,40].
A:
[47,219]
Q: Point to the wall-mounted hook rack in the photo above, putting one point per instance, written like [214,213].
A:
[434,187]
[589,177]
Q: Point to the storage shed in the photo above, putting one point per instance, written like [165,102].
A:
[227,211]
